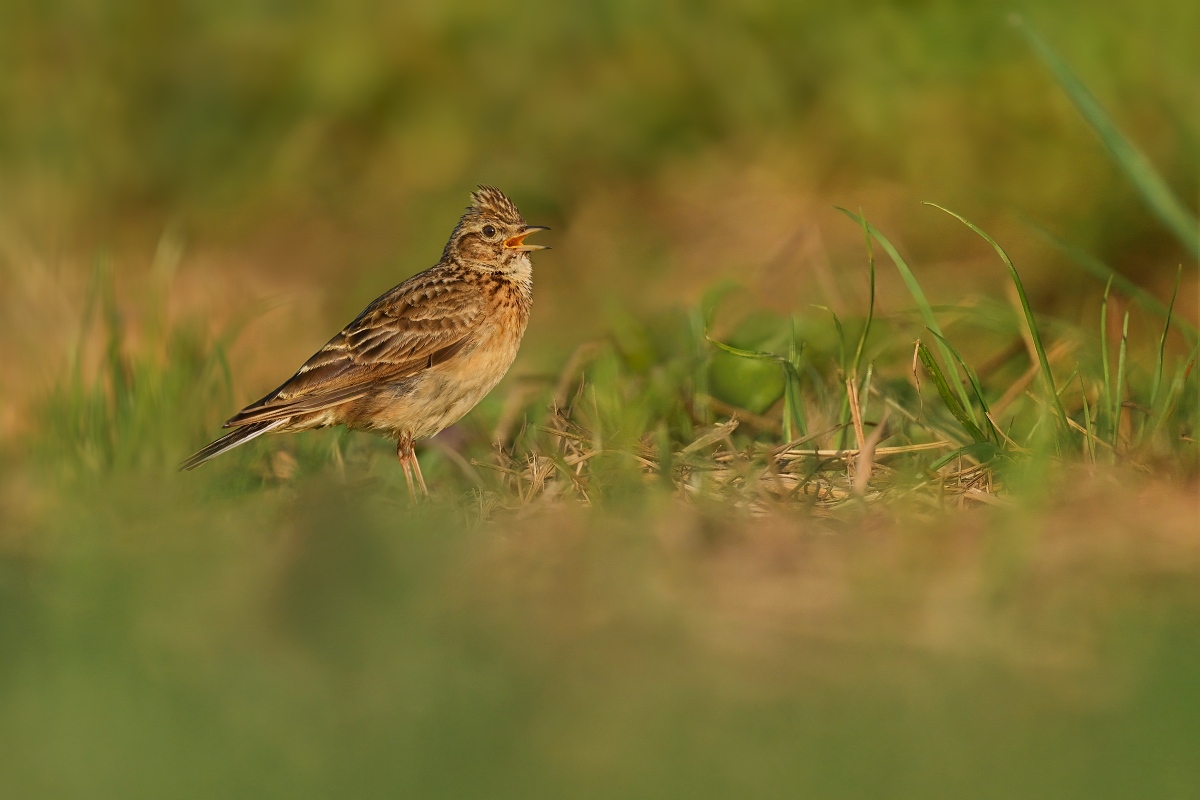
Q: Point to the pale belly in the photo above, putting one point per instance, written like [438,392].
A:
[421,406]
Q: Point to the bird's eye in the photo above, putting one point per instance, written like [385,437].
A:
[489,231]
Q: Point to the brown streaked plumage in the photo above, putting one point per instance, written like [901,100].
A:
[423,354]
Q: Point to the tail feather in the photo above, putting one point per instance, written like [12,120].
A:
[229,441]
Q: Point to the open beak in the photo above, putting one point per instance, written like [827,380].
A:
[518,242]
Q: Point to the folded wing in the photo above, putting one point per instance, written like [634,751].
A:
[419,324]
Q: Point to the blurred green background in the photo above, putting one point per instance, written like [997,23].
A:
[259,171]
[327,148]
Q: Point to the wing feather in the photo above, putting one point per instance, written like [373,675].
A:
[421,323]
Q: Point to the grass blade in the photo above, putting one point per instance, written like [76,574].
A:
[1129,159]
[841,332]
[1089,444]
[1162,341]
[761,355]
[1120,396]
[844,411]
[1108,389]
[1172,398]
[948,398]
[973,377]
[795,426]
[1097,268]
[923,306]
[864,391]
[862,339]
[982,452]
[1047,375]
[852,372]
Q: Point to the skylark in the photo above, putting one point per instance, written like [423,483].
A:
[423,354]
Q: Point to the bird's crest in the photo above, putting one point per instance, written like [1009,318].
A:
[491,201]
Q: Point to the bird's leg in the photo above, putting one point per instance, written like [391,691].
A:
[404,453]
[416,465]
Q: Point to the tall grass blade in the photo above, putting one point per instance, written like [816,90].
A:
[841,332]
[1119,400]
[1129,159]
[864,390]
[951,402]
[973,377]
[795,426]
[1047,375]
[1108,388]
[789,405]
[1089,441]
[914,288]
[1097,268]
[1162,341]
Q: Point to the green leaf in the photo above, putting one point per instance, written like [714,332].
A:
[749,379]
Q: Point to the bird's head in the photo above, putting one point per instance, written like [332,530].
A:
[491,234]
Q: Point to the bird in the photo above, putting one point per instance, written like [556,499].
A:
[422,354]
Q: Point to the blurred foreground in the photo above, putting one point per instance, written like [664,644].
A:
[323,640]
